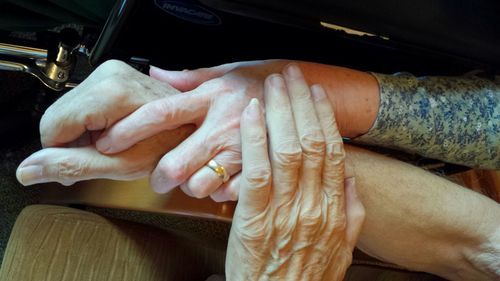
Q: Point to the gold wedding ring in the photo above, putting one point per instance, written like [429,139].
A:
[219,170]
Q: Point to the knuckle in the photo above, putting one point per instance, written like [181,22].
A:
[113,67]
[287,154]
[160,111]
[313,143]
[199,188]
[115,92]
[69,168]
[107,93]
[223,85]
[93,121]
[223,139]
[198,192]
[257,176]
[312,217]
[257,139]
[115,86]
[335,153]
[177,174]
[225,82]
[334,178]
[338,222]
[87,118]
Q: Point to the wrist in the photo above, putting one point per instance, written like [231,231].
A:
[354,96]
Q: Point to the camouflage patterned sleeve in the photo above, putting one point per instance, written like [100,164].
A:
[453,119]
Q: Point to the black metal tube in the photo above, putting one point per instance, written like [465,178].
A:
[111,30]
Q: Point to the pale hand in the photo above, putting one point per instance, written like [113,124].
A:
[70,127]
[294,219]
[213,100]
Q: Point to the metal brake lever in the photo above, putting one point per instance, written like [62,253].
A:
[53,74]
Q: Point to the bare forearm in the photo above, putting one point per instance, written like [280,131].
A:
[424,222]
[354,94]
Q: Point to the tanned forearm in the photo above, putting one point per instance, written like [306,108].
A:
[354,94]
[424,222]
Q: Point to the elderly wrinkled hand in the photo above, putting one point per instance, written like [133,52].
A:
[70,127]
[293,220]
[213,100]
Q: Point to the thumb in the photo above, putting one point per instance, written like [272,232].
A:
[69,165]
[187,80]
[355,213]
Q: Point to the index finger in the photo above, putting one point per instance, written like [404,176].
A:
[152,118]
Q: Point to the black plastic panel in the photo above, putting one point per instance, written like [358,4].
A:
[469,29]
[259,30]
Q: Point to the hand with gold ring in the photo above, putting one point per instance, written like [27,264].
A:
[219,170]
[214,105]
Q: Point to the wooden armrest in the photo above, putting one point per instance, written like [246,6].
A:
[137,196]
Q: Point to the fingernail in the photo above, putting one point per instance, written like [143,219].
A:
[277,81]
[29,175]
[293,71]
[338,148]
[103,145]
[318,92]
[253,109]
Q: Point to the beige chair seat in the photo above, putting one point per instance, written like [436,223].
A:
[59,243]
